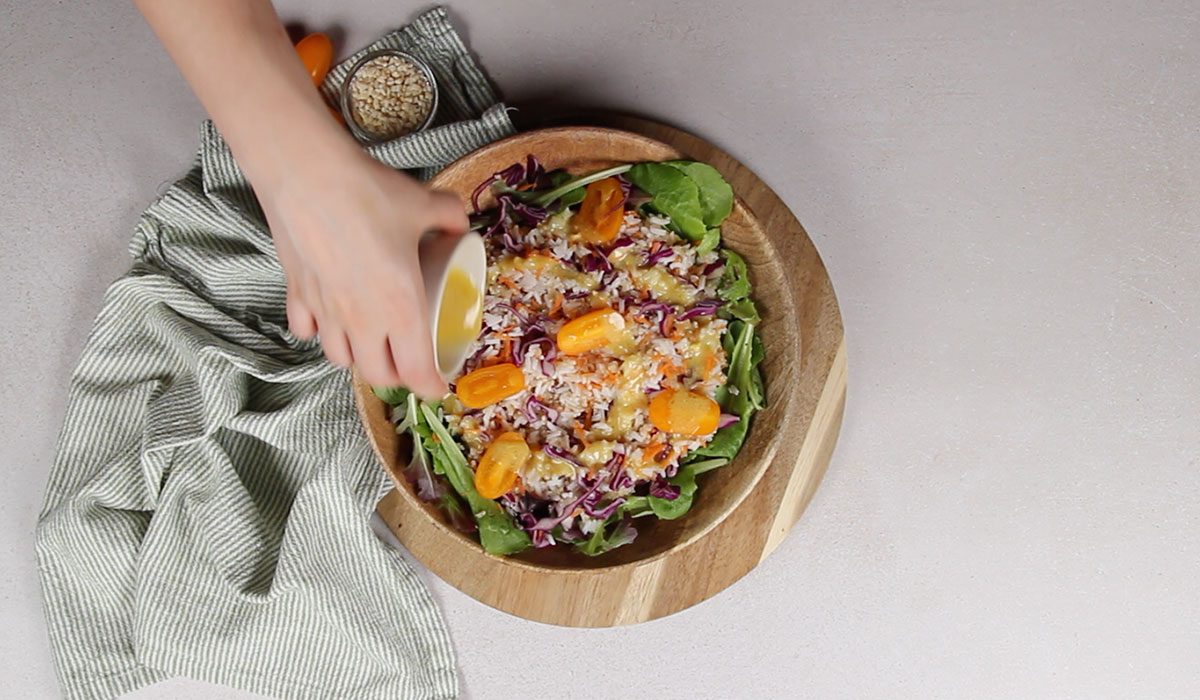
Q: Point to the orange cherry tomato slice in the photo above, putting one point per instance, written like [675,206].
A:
[500,464]
[684,412]
[488,385]
[316,53]
[602,211]
[592,330]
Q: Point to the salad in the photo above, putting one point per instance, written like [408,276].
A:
[617,360]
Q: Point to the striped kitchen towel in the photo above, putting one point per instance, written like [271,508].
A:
[207,512]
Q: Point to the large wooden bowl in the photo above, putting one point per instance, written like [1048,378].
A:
[742,510]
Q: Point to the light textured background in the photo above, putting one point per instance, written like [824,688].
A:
[1007,196]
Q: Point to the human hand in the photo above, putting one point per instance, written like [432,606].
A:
[347,228]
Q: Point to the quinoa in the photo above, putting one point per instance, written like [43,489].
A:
[390,97]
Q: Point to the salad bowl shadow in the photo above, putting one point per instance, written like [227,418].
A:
[738,515]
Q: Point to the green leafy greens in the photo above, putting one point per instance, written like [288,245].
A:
[698,200]
[497,532]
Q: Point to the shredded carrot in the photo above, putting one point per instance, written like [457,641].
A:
[669,324]
[581,434]
[509,283]
[654,247]
[557,308]
[653,449]
[506,352]
[577,511]
[710,363]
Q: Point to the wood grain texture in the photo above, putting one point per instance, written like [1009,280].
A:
[742,511]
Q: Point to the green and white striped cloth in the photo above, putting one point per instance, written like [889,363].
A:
[207,512]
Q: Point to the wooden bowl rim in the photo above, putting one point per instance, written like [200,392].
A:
[762,463]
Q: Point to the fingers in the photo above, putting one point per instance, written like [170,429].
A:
[413,358]
[373,359]
[335,343]
[447,214]
[300,319]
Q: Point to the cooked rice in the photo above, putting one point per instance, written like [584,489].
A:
[601,396]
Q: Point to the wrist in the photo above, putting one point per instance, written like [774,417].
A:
[307,142]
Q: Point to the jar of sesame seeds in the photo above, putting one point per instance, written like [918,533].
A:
[387,94]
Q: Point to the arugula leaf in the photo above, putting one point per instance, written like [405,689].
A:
[748,396]
[712,239]
[674,194]
[716,196]
[637,506]
[456,510]
[743,309]
[427,486]
[497,532]
[545,198]
[571,197]
[735,282]
[671,509]
[603,540]
[393,396]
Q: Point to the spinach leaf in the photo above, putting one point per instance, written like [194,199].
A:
[726,442]
[735,282]
[605,540]
[707,465]
[393,396]
[674,194]
[671,509]
[716,196]
[497,532]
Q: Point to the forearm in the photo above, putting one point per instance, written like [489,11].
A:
[240,63]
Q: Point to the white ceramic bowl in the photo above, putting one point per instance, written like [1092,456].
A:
[438,254]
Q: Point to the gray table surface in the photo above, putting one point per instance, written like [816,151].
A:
[1007,197]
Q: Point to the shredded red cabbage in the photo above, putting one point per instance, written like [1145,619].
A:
[595,263]
[620,243]
[605,510]
[512,310]
[712,267]
[727,420]
[659,488]
[535,336]
[534,404]
[549,523]
[555,451]
[702,308]
[661,254]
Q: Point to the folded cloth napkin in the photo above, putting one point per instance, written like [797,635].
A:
[207,512]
